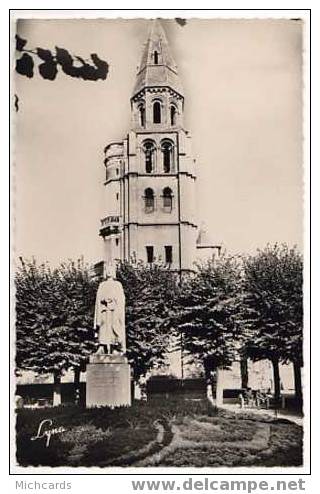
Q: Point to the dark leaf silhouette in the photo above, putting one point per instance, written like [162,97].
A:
[74,66]
[24,65]
[44,54]
[85,70]
[16,102]
[48,70]
[102,66]
[20,43]
[63,57]
[181,22]
[88,73]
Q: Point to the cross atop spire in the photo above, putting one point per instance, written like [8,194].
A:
[157,50]
[157,67]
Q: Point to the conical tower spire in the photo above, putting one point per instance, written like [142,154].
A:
[157,43]
[157,67]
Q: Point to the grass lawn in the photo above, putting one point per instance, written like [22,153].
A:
[161,432]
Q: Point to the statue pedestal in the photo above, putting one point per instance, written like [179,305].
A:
[108,381]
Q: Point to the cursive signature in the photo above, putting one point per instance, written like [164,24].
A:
[45,430]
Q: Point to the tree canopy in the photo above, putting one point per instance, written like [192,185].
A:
[273,303]
[54,312]
[150,293]
[274,298]
[208,312]
[228,308]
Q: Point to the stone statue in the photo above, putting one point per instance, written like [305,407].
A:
[109,318]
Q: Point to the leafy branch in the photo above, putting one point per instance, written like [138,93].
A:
[74,66]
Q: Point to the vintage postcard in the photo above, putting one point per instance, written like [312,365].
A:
[159,196]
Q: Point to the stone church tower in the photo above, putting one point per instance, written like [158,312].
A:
[150,175]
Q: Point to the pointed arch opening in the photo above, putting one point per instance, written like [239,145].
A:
[142,115]
[157,112]
[167,199]
[173,115]
[148,200]
[156,57]
[167,156]
[149,149]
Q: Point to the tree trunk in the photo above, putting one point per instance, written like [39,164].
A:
[209,377]
[76,382]
[210,394]
[57,390]
[244,372]
[276,378]
[219,388]
[214,386]
[297,382]
[137,391]
[140,388]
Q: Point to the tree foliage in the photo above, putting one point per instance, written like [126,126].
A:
[274,303]
[228,308]
[54,313]
[208,312]
[50,61]
[150,293]
[55,309]
[274,309]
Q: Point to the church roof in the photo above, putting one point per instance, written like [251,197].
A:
[157,67]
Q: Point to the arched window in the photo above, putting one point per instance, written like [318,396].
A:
[142,114]
[167,152]
[149,151]
[167,199]
[155,57]
[156,112]
[173,115]
[148,200]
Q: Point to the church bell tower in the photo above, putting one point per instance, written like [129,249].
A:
[150,176]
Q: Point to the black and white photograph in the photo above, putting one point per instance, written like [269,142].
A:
[158,243]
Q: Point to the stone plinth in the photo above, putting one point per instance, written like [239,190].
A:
[108,381]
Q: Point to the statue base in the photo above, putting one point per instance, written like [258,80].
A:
[108,381]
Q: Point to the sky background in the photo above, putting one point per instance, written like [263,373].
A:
[243,107]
